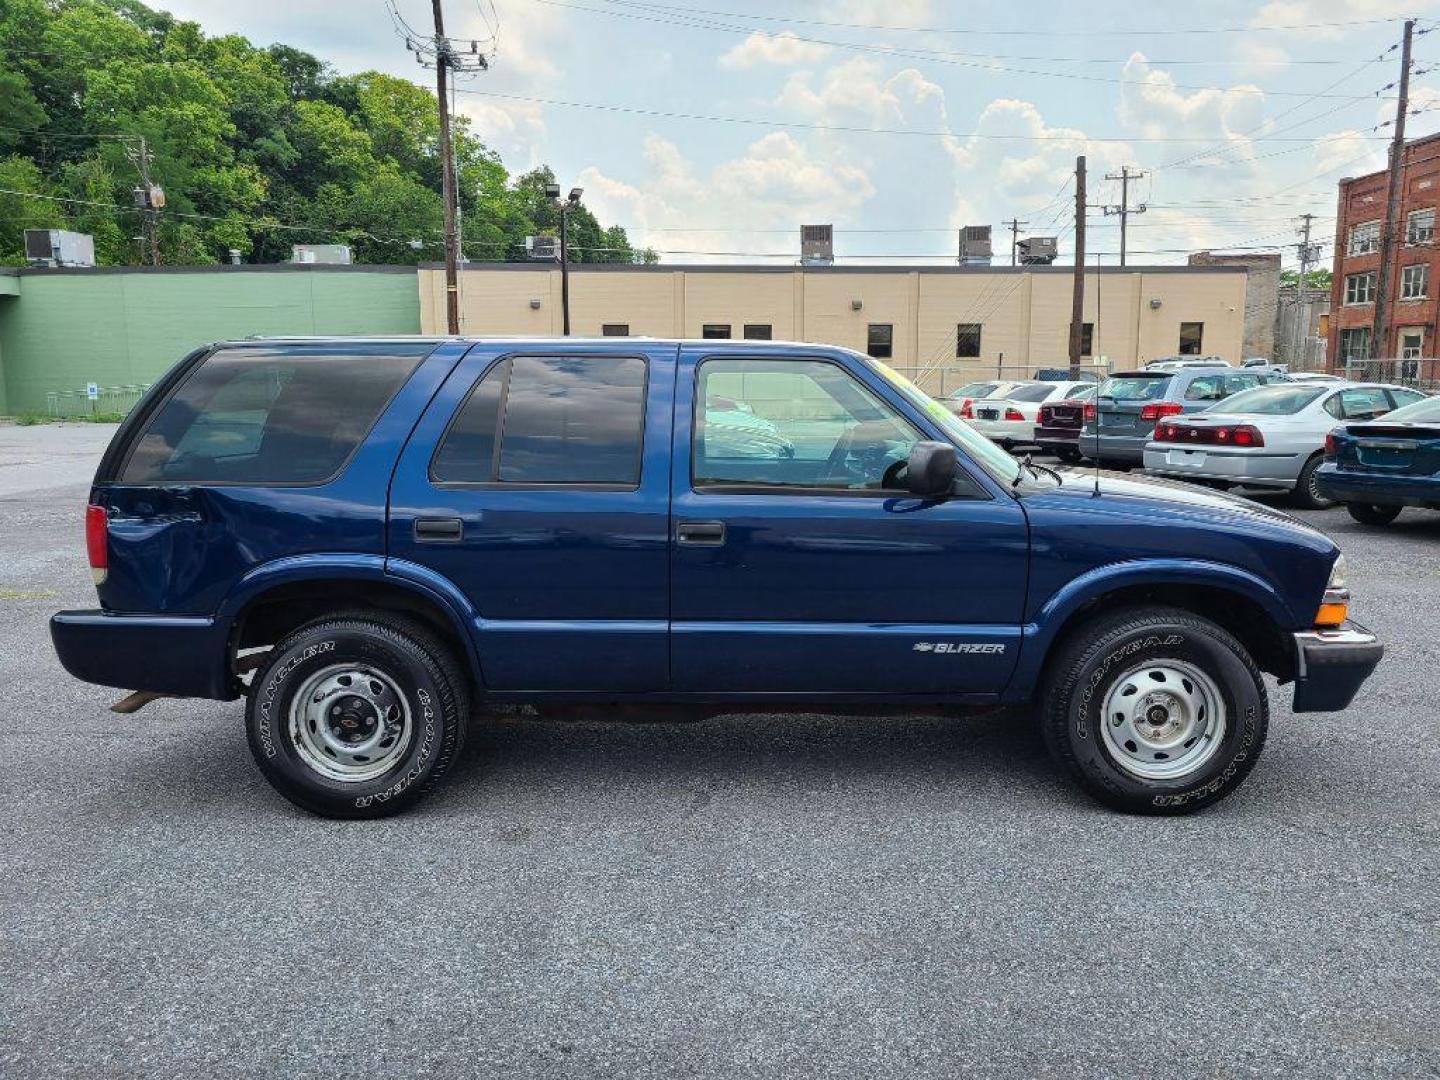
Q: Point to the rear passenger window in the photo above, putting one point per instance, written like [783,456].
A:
[271,415]
[549,420]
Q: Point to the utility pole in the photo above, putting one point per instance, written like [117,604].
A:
[1077,303]
[552,191]
[447,173]
[148,198]
[1014,226]
[1392,198]
[1124,176]
[1300,332]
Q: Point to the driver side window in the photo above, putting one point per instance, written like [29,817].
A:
[793,424]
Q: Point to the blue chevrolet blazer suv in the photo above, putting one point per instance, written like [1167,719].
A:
[366,538]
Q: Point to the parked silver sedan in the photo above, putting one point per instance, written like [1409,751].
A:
[1269,437]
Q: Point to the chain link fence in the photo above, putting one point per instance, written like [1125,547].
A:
[1423,373]
[108,401]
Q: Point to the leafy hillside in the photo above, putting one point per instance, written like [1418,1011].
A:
[257,149]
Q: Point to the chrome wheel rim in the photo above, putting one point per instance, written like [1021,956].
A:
[1163,720]
[350,722]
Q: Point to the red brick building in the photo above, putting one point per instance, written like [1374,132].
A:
[1410,324]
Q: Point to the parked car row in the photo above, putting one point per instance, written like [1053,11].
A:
[1373,446]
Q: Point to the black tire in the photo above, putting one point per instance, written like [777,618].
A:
[1115,647]
[1307,491]
[1372,514]
[430,692]
[1068,454]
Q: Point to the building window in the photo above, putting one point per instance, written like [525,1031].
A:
[880,340]
[615,329]
[1414,281]
[1420,226]
[1087,339]
[715,330]
[1364,239]
[1192,337]
[967,340]
[1355,344]
[1360,288]
[756,331]
[1412,343]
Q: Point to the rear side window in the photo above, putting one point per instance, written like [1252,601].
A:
[282,415]
[548,420]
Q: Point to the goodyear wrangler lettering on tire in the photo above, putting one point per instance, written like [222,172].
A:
[358,716]
[1119,654]
[267,700]
[1225,777]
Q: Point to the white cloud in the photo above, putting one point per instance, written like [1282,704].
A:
[777,183]
[1324,20]
[784,49]
[1351,152]
[1155,108]
[857,91]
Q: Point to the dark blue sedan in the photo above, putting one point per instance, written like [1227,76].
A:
[1379,467]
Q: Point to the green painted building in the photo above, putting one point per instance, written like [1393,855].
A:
[122,327]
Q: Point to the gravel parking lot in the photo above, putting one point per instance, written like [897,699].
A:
[761,895]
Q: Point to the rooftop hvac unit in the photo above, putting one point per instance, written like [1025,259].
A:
[57,247]
[1038,250]
[331,254]
[817,245]
[542,247]
[975,245]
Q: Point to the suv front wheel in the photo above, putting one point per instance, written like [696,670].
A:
[357,717]
[1155,711]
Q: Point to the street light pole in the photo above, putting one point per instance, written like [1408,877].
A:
[553,191]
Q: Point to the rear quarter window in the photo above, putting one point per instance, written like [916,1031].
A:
[270,415]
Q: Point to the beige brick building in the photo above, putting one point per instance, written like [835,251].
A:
[942,324]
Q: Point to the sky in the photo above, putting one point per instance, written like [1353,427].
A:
[713,129]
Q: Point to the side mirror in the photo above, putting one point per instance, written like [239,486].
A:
[930,469]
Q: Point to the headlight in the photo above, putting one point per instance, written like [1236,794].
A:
[1335,604]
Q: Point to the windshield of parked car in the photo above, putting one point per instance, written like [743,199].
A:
[990,457]
[1426,411]
[1135,387]
[1283,399]
[1038,392]
[974,389]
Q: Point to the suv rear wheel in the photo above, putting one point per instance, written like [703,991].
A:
[357,717]
[1155,711]
[1373,514]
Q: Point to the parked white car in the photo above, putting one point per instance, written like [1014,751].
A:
[1269,437]
[958,401]
[1011,420]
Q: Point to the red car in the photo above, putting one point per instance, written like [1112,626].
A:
[1058,429]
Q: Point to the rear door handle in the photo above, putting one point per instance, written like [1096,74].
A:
[701,533]
[439,530]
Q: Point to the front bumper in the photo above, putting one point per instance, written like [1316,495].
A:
[1331,665]
[181,655]
[1378,489]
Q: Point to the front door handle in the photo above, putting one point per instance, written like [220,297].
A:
[439,530]
[701,533]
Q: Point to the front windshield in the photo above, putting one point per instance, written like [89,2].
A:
[1282,399]
[1426,411]
[992,458]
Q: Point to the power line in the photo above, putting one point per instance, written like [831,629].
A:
[933,56]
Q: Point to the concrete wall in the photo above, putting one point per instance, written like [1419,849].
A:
[69,327]
[1024,314]
[1262,291]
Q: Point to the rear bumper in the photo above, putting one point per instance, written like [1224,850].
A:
[1057,437]
[1005,430]
[1378,489]
[1331,665]
[183,655]
[1236,467]
[1127,448]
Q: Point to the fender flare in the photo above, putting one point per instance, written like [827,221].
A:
[338,566]
[1055,614]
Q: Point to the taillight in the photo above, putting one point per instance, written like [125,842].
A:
[1047,413]
[1233,435]
[97,547]
[966,412]
[1014,414]
[1091,411]
[1330,450]
[1156,409]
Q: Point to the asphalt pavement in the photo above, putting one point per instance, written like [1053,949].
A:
[766,896]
